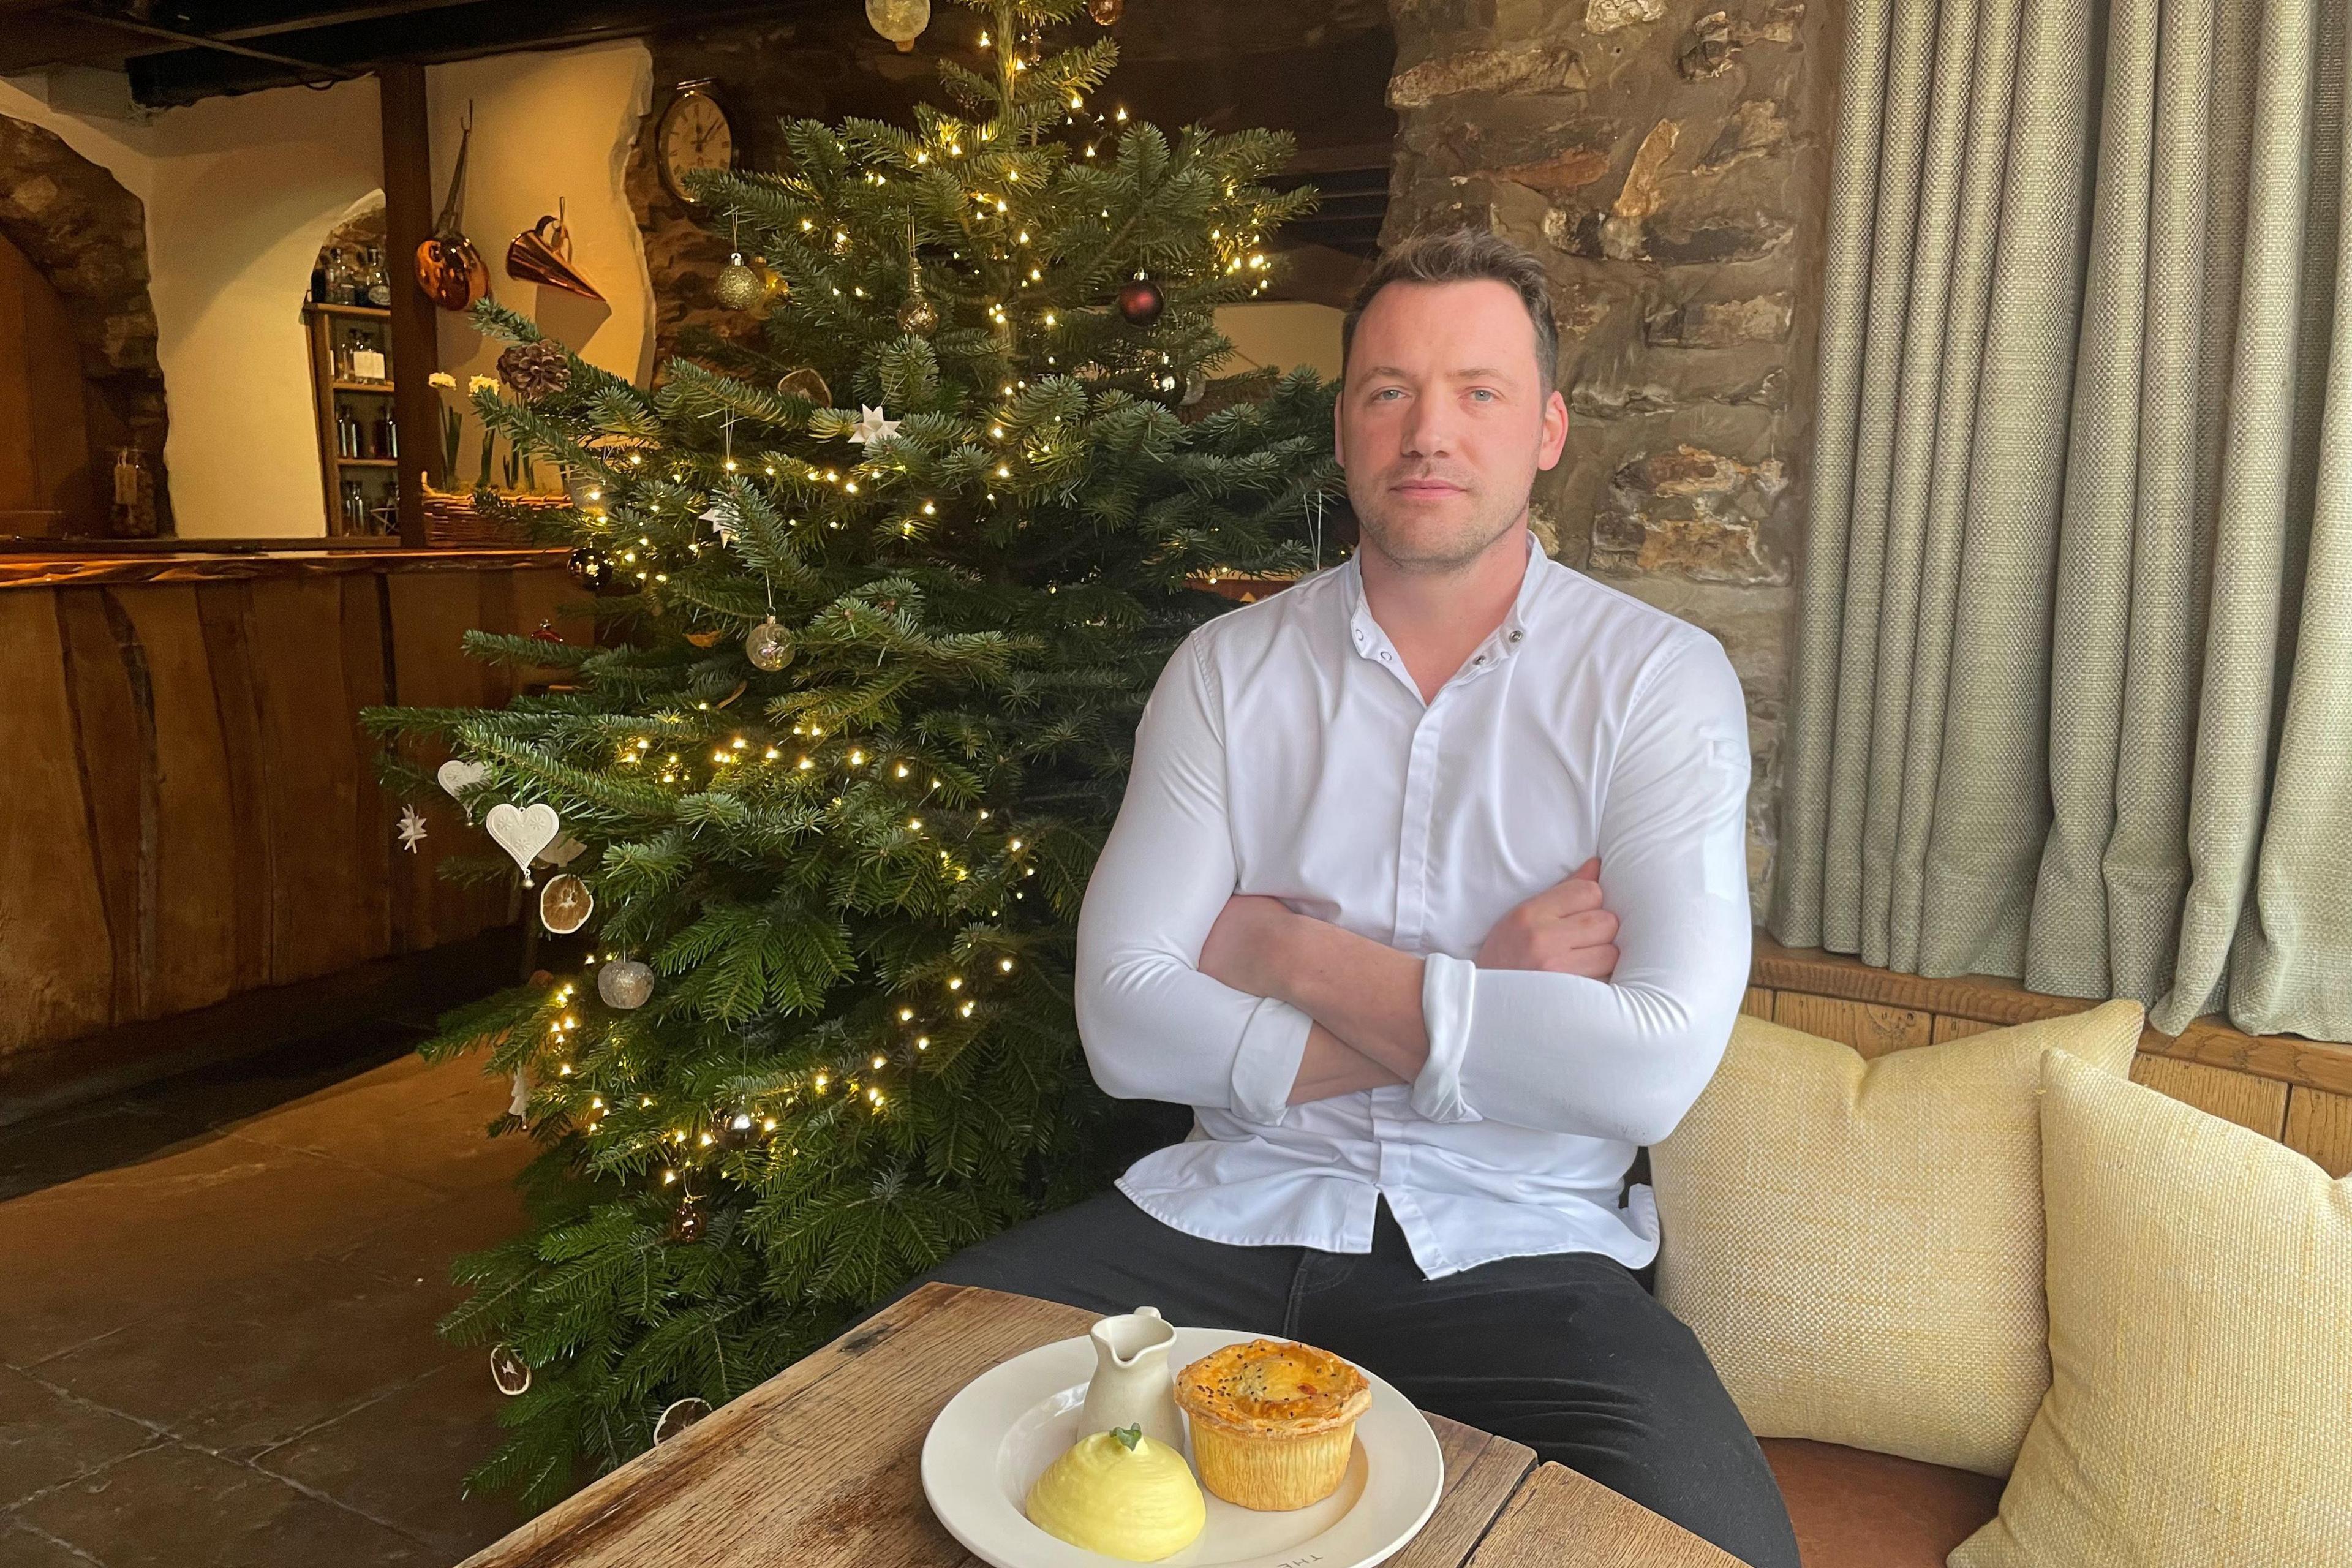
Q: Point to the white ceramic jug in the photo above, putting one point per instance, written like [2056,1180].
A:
[1133,1383]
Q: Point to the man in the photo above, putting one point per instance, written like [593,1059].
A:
[1429,894]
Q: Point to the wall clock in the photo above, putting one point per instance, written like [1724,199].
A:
[692,133]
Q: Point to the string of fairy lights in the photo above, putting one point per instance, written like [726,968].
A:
[646,513]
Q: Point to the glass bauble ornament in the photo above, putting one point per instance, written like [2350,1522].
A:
[738,1131]
[626,984]
[738,287]
[1141,301]
[901,21]
[686,1224]
[591,567]
[769,647]
[1105,11]
[918,315]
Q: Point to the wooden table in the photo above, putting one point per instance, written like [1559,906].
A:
[821,1466]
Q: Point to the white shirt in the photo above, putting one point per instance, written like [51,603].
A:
[1286,751]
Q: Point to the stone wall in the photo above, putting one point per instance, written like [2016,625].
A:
[88,236]
[1668,158]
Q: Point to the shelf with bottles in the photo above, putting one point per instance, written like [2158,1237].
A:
[352,383]
[350,278]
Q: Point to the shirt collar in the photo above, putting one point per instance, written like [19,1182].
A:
[1372,642]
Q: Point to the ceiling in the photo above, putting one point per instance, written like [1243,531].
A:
[177,51]
[1319,68]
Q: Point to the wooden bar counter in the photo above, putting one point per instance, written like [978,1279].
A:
[189,812]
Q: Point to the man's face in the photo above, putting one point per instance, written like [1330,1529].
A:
[1444,420]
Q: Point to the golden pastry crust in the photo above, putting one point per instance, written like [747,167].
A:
[1273,1388]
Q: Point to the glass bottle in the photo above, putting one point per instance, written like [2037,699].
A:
[379,282]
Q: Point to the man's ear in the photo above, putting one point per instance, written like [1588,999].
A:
[1555,432]
[1339,425]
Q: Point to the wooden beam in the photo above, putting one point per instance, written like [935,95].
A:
[207,566]
[408,223]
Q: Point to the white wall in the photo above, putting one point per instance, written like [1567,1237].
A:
[1284,333]
[549,126]
[240,192]
[245,189]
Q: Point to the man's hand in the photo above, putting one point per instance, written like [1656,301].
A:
[1239,947]
[1561,931]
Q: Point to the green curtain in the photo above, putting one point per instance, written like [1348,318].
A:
[2072,695]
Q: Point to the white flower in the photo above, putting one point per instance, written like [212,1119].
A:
[441,378]
[483,384]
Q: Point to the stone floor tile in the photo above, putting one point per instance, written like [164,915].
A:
[119,1246]
[173,1507]
[138,1124]
[405,1459]
[22,1546]
[417,1248]
[262,1362]
[47,1437]
[421,1121]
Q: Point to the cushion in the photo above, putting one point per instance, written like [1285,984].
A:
[2201,1335]
[1854,1508]
[1858,1244]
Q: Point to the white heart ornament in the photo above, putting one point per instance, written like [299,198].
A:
[455,777]
[522,833]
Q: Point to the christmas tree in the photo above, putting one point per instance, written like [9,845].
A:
[883,593]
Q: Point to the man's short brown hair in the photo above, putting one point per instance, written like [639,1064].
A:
[1462,256]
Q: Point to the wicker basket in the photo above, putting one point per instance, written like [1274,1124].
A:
[451,518]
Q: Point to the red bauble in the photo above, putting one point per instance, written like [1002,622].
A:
[1141,301]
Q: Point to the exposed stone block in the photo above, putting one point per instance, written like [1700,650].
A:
[1570,168]
[1690,510]
[1529,67]
[1721,323]
[1670,240]
[1755,130]
[1707,52]
[1608,16]
[1716,39]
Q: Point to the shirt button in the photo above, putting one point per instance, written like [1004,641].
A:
[1517,635]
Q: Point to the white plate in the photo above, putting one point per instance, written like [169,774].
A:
[996,1436]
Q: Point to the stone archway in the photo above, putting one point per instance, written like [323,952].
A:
[88,236]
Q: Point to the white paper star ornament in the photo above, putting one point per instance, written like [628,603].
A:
[872,426]
[723,521]
[412,829]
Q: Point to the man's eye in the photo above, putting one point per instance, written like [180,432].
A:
[1485,392]
[1384,391]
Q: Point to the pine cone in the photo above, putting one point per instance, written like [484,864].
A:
[534,370]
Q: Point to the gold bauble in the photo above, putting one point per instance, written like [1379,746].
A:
[917,316]
[738,287]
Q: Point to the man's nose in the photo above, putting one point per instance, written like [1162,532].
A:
[1429,429]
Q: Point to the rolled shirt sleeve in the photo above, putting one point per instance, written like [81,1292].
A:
[1626,1057]
[1153,1027]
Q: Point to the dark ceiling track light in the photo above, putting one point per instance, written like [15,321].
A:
[201,41]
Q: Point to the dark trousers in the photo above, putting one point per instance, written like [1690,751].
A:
[1567,1353]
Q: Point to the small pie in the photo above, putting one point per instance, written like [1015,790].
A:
[1273,1421]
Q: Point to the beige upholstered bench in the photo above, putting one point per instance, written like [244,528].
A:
[1854,1509]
